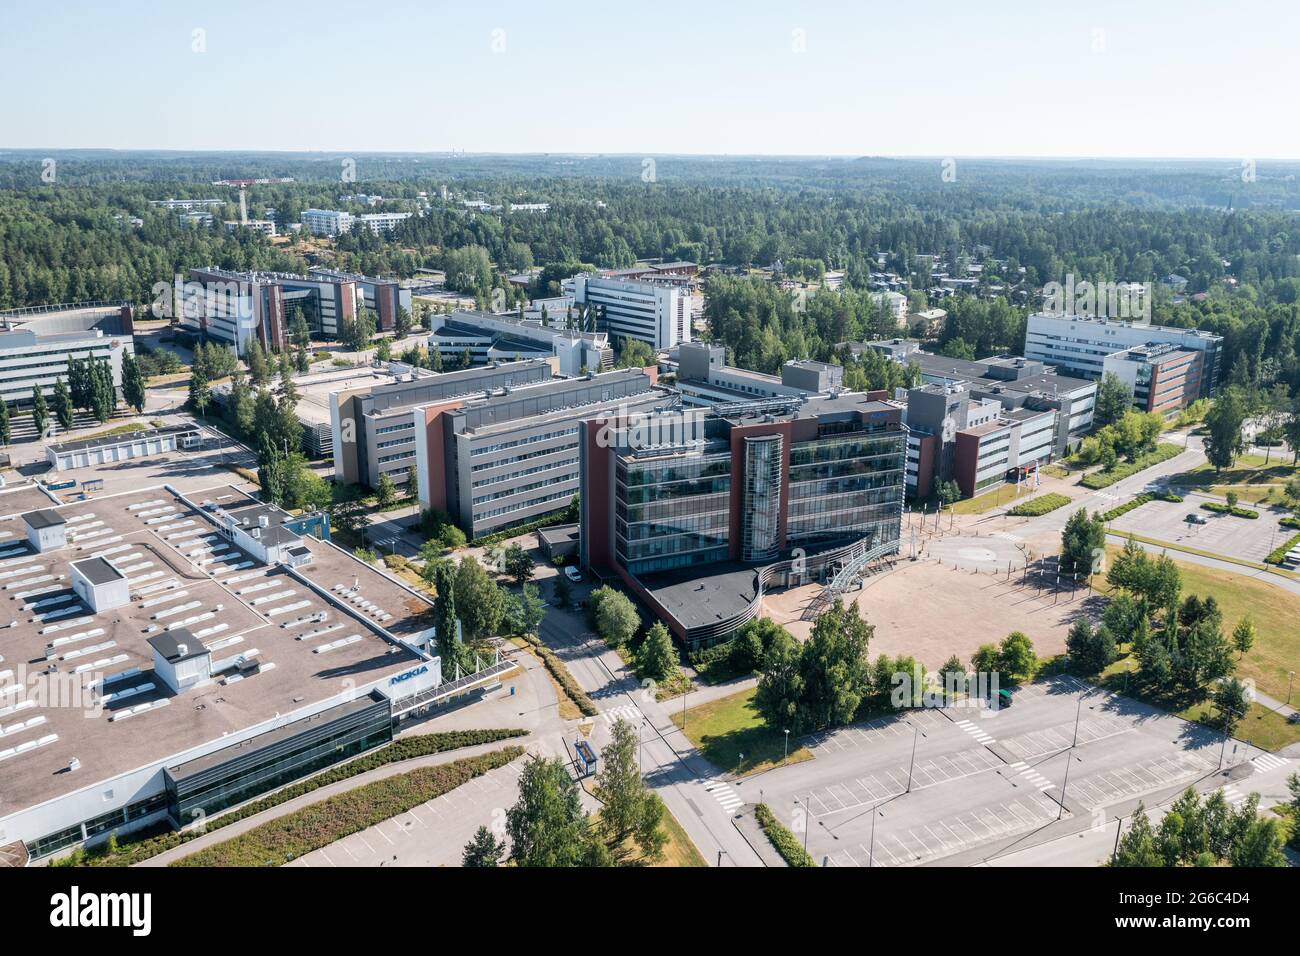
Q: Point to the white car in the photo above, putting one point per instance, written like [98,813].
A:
[572,573]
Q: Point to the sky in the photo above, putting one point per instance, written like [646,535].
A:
[1152,78]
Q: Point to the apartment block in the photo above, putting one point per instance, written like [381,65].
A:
[37,343]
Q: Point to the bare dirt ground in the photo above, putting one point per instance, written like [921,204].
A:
[931,611]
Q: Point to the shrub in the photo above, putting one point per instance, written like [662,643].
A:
[1039,506]
[1222,509]
[783,841]
[1121,470]
[1277,555]
[562,676]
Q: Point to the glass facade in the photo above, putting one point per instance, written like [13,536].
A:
[761,514]
[846,485]
[672,512]
[210,784]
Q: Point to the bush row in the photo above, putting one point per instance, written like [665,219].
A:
[1290,522]
[286,838]
[1038,506]
[1138,502]
[1277,554]
[562,675]
[1220,508]
[403,748]
[1103,479]
[783,841]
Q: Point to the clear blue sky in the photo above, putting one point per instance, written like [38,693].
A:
[1003,78]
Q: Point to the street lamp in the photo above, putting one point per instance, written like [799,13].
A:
[787,745]
[1066,784]
[916,730]
[871,853]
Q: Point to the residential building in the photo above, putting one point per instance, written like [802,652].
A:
[264,227]
[894,303]
[657,313]
[378,222]
[326,222]
[1078,345]
[37,343]
[698,512]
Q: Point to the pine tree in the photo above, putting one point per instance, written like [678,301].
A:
[133,388]
[200,392]
[258,370]
[483,850]
[4,422]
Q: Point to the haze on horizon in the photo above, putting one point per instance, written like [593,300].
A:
[1163,80]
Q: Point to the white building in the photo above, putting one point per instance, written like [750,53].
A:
[658,314]
[895,303]
[37,343]
[326,222]
[378,222]
[1078,345]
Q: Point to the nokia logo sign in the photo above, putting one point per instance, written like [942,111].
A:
[407,675]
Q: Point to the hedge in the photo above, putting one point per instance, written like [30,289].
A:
[1290,522]
[1277,554]
[286,838]
[1222,509]
[1041,505]
[403,748]
[1139,501]
[1103,479]
[562,675]
[783,841]
[562,516]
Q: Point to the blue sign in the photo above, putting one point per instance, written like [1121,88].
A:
[407,675]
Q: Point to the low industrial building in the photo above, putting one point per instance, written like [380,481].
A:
[182,673]
[89,452]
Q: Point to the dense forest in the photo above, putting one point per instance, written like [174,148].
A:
[1235,238]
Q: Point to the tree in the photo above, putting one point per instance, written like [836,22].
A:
[412,483]
[63,410]
[656,658]
[1113,399]
[1243,635]
[834,669]
[1231,701]
[563,591]
[1016,657]
[1223,423]
[1260,845]
[517,564]
[200,392]
[385,490]
[949,492]
[547,826]
[444,611]
[614,617]
[133,387]
[478,600]
[1091,649]
[780,686]
[1138,847]
[258,369]
[635,354]
[240,409]
[1083,542]
[483,849]
[5,427]
[40,413]
[630,809]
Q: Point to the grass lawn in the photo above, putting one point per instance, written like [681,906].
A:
[679,850]
[1274,611]
[115,430]
[1249,477]
[1003,494]
[728,727]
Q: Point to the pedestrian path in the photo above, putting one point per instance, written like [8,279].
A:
[626,712]
[1234,796]
[976,731]
[1032,775]
[1266,762]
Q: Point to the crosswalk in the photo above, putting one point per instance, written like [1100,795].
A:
[1032,775]
[723,793]
[626,712]
[976,731]
[1266,762]
[1234,796]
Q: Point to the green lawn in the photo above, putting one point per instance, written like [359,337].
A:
[1249,477]
[1274,611]
[1039,506]
[728,727]
[1003,494]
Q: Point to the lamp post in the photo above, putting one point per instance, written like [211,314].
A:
[787,745]
[1066,784]
[1289,686]
[916,731]
[871,853]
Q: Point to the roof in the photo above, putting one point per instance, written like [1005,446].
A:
[123,438]
[45,518]
[178,645]
[97,571]
[558,533]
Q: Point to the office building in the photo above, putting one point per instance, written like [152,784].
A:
[506,338]
[704,378]
[657,313]
[37,343]
[697,512]
[132,696]
[1078,345]
[383,297]
[1163,378]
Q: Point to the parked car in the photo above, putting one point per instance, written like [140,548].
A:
[1195,519]
[573,574]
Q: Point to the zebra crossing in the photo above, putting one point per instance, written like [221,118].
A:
[722,792]
[1033,776]
[976,731]
[1234,796]
[626,712]
[1266,762]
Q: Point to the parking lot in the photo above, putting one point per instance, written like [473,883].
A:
[927,785]
[1250,539]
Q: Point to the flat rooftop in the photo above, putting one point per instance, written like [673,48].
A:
[314,390]
[123,438]
[20,499]
[184,575]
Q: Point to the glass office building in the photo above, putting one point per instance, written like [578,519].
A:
[846,485]
[206,785]
[672,510]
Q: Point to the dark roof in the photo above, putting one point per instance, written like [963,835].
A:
[169,645]
[97,571]
[45,518]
